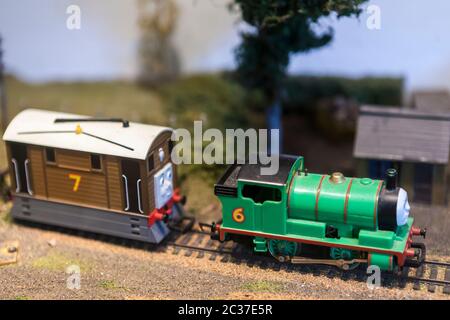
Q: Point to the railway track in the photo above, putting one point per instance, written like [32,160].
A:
[431,275]
[197,243]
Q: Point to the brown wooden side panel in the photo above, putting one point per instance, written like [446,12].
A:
[151,194]
[73,159]
[144,187]
[36,156]
[114,183]
[91,190]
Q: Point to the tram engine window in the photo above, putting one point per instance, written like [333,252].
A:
[50,155]
[96,162]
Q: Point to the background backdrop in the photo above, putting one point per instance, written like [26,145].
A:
[413,42]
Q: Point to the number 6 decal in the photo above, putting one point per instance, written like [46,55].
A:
[77,179]
[238,215]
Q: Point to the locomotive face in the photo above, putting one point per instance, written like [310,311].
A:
[402,207]
[163,185]
[393,208]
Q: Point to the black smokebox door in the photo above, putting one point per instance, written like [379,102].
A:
[130,177]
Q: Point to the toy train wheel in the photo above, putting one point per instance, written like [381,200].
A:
[344,254]
[282,250]
[351,266]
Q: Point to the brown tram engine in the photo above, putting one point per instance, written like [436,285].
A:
[106,176]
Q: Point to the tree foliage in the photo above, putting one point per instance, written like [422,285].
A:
[282,28]
[157,56]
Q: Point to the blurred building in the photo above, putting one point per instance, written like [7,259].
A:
[413,141]
[431,101]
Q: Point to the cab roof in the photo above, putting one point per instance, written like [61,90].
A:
[227,184]
[252,172]
[38,127]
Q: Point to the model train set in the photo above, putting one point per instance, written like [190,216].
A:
[115,177]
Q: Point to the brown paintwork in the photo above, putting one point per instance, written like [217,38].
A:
[97,188]
[36,156]
[114,182]
[151,194]
[144,187]
[73,160]
[91,189]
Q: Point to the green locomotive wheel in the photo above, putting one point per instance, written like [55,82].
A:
[344,254]
[282,249]
[352,266]
[339,253]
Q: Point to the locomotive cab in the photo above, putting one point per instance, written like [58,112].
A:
[257,202]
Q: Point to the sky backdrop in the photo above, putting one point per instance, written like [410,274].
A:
[413,42]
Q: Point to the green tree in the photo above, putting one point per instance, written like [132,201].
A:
[281,28]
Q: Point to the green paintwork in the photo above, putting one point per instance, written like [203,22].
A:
[294,217]
[362,200]
[268,217]
[260,244]
[382,260]
[282,248]
[302,200]
[362,204]
[339,253]
[331,201]
[380,238]
[398,245]
[306,227]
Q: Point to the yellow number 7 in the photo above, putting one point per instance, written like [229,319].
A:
[77,179]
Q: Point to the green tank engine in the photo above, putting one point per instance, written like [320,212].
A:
[305,218]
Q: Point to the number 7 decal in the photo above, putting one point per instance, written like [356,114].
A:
[77,179]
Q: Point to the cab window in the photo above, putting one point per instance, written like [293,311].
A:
[260,194]
[150,162]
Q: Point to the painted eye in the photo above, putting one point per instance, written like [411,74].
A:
[161,181]
[169,175]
